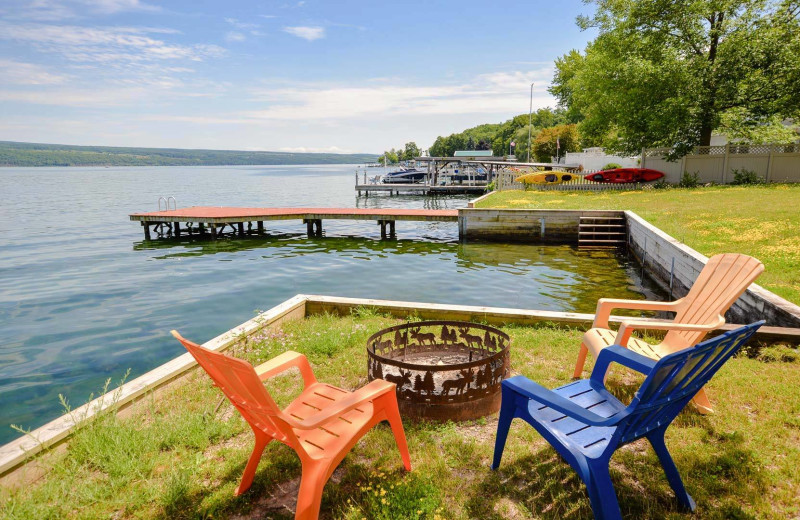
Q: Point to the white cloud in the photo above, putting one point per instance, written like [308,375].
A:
[19,73]
[492,93]
[61,10]
[241,25]
[78,97]
[309,33]
[234,36]
[105,44]
[115,6]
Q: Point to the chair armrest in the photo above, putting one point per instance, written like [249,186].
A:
[606,305]
[628,326]
[285,361]
[532,390]
[623,356]
[375,389]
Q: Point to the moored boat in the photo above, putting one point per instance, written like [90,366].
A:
[404,176]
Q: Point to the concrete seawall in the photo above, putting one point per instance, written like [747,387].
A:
[676,266]
[521,225]
[672,264]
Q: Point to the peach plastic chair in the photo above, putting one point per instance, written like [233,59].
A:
[322,424]
[724,278]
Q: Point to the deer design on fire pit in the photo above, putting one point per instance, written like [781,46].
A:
[443,370]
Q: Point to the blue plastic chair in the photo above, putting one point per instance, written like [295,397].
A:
[586,424]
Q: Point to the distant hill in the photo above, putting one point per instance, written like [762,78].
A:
[36,154]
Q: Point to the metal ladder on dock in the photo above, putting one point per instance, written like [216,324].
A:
[597,232]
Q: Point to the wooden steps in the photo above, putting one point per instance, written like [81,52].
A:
[602,232]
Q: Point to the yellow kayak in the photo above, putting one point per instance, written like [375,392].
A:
[553,177]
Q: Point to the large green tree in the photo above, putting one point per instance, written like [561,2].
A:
[670,73]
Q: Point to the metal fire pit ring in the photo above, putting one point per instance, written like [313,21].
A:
[444,370]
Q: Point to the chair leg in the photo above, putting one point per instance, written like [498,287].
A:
[309,497]
[701,402]
[250,470]
[507,407]
[656,439]
[581,361]
[393,416]
[602,496]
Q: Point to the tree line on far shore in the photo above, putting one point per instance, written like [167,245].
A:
[34,154]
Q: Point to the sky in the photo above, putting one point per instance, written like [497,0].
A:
[307,76]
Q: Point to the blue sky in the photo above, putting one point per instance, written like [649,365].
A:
[342,76]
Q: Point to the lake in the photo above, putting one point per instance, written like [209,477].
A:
[83,298]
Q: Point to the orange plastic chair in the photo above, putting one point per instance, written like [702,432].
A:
[724,278]
[322,424]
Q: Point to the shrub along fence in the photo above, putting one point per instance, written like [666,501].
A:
[718,164]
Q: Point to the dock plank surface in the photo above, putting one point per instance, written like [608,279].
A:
[233,214]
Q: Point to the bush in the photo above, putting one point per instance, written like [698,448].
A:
[611,166]
[689,180]
[661,185]
[745,176]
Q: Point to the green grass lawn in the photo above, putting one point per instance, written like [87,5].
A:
[761,221]
[177,456]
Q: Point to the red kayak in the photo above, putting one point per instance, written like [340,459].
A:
[621,175]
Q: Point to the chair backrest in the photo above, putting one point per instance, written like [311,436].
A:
[239,382]
[675,379]
[724,278]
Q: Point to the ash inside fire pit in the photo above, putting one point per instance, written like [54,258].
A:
[444,370]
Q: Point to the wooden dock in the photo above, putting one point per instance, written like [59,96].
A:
[213,220]
[420,189]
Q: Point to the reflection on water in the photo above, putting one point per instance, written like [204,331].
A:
[82,298]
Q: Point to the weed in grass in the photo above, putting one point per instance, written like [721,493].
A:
[391,496]
[174,498]
[779,353]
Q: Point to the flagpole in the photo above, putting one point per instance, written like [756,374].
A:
[530,116]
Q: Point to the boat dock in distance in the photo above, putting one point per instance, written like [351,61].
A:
[212,220]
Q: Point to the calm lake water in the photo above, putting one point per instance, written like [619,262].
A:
[83,298]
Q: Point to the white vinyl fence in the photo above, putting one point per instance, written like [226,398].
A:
[772,162]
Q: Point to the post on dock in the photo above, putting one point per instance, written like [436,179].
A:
[213,226]
[146,226]
[202,228]
[260,227]
[384,224]
[177,227]
[313,227]
[240,226]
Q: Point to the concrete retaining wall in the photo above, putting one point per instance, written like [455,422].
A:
[525,225]
[666,259]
